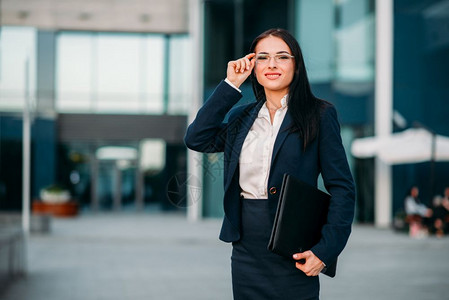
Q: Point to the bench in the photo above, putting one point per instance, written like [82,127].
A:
[12,250]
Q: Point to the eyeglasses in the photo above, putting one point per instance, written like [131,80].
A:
[281,58]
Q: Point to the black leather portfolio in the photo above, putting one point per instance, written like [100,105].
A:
[301,213]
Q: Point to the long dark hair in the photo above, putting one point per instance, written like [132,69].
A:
[303,106]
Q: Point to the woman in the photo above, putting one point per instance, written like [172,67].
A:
[287,130]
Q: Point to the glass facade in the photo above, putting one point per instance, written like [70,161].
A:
[18,67]
[123,73]
[17,87]
[337,39]
[90,73]
[420,90]
[180,79]
[74,66]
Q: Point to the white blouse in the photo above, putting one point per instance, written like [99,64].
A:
[257,150]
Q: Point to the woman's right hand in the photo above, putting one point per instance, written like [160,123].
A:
[240,69]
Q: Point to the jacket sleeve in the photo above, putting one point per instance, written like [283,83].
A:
[207,133]
[339,183]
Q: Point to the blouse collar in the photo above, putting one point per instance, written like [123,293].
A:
[264,110]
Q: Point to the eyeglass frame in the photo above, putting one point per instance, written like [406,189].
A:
[275,56]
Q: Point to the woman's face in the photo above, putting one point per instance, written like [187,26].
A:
[275,75]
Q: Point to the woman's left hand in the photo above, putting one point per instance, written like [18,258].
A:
[312,265]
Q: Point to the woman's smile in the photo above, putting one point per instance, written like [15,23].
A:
[273,75]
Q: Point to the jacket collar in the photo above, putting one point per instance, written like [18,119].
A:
[282,134]
[246,121]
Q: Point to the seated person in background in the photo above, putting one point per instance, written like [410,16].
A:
[445,202]
[418,215]
[441,213]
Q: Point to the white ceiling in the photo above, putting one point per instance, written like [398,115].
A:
[166,16]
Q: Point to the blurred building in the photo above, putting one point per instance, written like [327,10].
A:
[97,74]
[126,74]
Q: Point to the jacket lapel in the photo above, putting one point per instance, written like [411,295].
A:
[282,134]
[246,121]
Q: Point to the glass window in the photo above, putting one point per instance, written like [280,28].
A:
[118,60]
[315,27]
[337,38]
[110,73]
[153,73]
[74,65]
[355,42]
[17,46]
[180,83]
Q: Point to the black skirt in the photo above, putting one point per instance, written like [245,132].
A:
[259,274]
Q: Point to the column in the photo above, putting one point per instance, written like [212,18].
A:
[194,169]
[383,108]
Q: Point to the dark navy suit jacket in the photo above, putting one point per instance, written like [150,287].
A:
[325,155]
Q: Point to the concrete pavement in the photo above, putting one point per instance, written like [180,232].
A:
[163,256]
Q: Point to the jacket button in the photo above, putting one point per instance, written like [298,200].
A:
[273,190]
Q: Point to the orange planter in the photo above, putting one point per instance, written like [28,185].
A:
[67,209]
